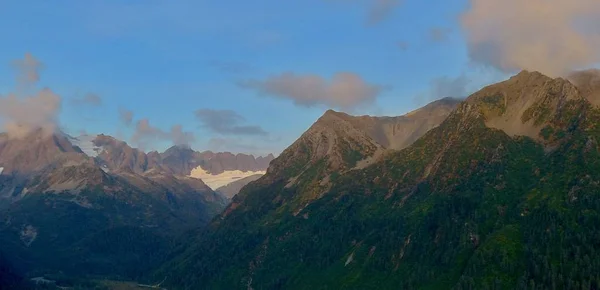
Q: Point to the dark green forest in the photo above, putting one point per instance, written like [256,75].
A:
[465,207]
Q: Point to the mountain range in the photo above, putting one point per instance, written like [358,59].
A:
[95,205]
[496,191]
[501,193]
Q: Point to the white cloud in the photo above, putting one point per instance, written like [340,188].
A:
[551,36]
[21,115]
[28,69]
[22,112]
[146,134]
[345,90]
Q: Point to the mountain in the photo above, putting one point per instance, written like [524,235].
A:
[337,143]
[183,160]
[503,194]
[215,169]
[93,206]
[231,189]
[32,152]
[116,155]
[180,159]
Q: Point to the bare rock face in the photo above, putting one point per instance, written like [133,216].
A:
[117,155]
[334,139]
[21,156]
[343,141]
[182,160]
[523,104]
[179,160]
[399,132]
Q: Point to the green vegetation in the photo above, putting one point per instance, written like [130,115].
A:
[465,207]
[494,103]
[93,234]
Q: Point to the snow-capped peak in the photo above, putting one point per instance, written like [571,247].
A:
[215,181]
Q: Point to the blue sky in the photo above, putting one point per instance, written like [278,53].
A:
[164,60]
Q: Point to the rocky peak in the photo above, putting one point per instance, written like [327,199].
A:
[263,162]
[216,163]
[118,155]
[34,151]
[523,104]
[180,160]
[344,141]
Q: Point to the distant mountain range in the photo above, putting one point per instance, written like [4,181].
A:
[214,169]
[67,203]
[180,160]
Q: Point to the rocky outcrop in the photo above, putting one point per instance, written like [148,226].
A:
[22,156]
[524,104]
[117,155]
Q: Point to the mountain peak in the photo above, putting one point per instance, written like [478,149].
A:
[331,115]
[338,142]
[34,150]
[523,104]
[529,74]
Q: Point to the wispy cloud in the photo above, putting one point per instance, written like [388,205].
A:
[378,10]
[126,116]
[89,99]
[226,122]
[28,69]
[345,90]
[146,134]
[439,34]
[381,9]
[239,145]
[441,87]
[456,87]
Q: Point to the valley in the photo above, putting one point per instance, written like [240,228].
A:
[300,145]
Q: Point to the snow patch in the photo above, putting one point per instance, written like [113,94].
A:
[215,181]
[86,144]
[1,170]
